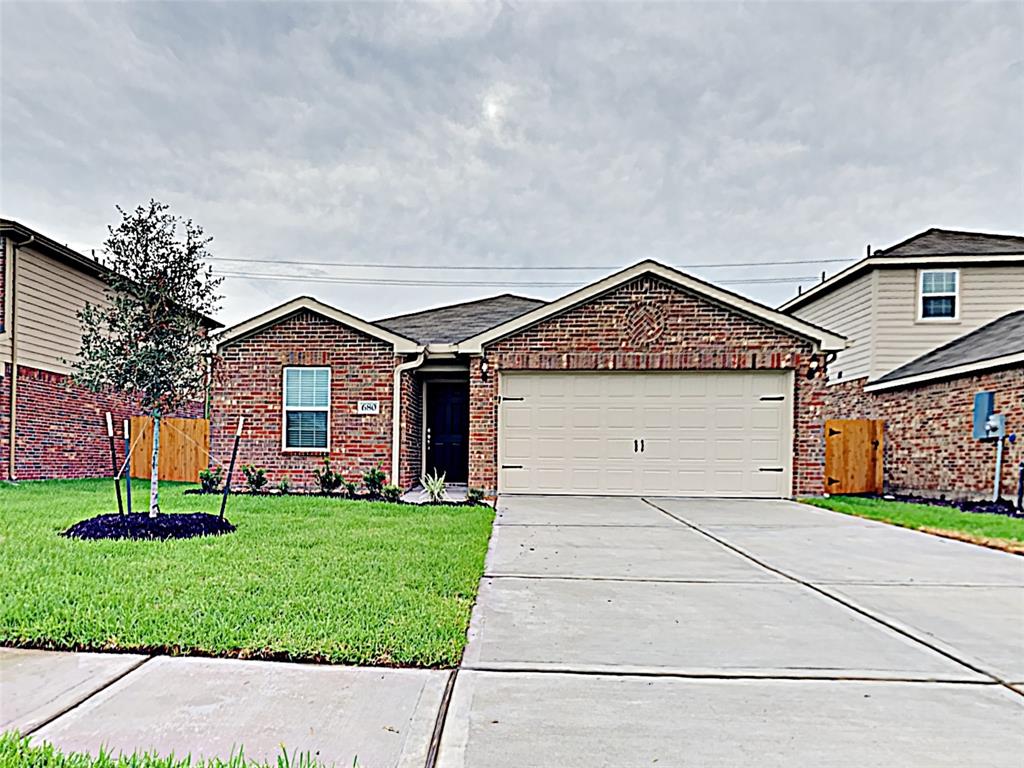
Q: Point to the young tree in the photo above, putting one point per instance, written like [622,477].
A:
[150,341]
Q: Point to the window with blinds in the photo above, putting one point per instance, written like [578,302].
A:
[307,408]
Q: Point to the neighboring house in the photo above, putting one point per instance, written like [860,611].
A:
[646,382]
[909,312]
[59,428]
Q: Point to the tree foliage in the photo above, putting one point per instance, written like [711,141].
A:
[149,341]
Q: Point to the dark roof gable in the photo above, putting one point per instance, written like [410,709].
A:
[950,242]
[455,322]
[1001,337]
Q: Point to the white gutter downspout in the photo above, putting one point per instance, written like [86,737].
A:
[396,412]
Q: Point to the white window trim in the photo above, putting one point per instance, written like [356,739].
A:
[921,295]
[286,408]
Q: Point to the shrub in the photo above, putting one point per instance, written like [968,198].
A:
[350,489]
[435,487]
[285,485]
[326,479]
[210,479]
[255,477]
[475,495]
[391,492]
[374,480]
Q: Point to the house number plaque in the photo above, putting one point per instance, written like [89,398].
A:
[368,407]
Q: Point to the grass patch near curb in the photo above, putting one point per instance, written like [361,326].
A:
[310,579]
[19,752]
[991,530]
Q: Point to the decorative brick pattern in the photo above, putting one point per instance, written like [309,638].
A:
[929,448]
[249,383]
[671,330]
[62,427]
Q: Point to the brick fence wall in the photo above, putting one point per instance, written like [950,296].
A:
[649,325]
[249,383]
[62,427]
[929,448]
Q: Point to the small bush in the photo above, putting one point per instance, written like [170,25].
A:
[285,485]
[326,479]
[350,488]
[475,495]
[435,486]
[210,479]
[391,493]
[374,480]
[255,477]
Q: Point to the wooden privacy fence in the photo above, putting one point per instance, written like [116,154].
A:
[184,447]
[853,455]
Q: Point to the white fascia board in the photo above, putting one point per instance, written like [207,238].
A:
[401,344]
[875,262]
[947,373]
[827,341]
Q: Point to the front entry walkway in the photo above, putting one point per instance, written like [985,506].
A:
[625,632]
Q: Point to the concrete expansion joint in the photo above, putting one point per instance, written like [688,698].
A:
[84,698]
[846,603]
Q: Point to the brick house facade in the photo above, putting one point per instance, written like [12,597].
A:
[699,329]
[929,448]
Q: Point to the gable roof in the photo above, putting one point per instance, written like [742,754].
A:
[309,304]
[826,340]
[26,236]
[933,246]
[999,343]
[455,322]
[952,242]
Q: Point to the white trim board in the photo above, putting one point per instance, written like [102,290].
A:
[947,373]
[826,340]
[255,324]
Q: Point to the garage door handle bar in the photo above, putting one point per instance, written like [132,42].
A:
[771,469]
[636,446]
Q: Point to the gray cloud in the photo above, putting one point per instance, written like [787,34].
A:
[514,134]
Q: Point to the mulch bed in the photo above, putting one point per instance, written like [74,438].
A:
[141,526]
[1001,507]
[273,493]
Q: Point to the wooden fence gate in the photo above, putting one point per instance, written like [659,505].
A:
[184,447]
[853,455]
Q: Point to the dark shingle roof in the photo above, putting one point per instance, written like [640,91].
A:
[949,242]
[447,325]
[999,338]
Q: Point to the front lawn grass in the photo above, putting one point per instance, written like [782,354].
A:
[998,531]
[303,578]
[19,752]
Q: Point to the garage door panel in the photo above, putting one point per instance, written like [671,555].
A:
[704,433]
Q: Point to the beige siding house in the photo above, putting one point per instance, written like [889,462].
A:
[902,302]
[49,427]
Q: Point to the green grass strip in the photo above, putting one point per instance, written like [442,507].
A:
[18,752]
[926,516]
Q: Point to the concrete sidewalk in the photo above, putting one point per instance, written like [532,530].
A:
[704,632]
[345,716]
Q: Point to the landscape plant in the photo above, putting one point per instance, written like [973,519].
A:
[148,341]
[284,485]
[435,486]
[210,479]
[350,488]
[374,480]
[391,493]
[326,479]
[255,478]
[475,495]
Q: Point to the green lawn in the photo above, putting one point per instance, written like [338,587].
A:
[970,525]
[18,752]
[301,578]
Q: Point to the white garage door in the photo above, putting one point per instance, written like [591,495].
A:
[700,433]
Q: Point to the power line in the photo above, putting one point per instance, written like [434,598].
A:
[493,267]
[474,283]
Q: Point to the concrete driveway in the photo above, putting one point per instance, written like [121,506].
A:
[684,632]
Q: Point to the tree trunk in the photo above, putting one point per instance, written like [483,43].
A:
[154,469]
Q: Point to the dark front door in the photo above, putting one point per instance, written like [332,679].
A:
[448,430]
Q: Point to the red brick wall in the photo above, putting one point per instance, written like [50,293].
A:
[929,448]
[3,283]
[608,333]
[249,383]
[61,427]
[412,430]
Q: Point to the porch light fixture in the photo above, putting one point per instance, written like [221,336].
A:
[812,368]
[484,370]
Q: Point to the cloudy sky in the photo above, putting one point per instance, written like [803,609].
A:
[310,138]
